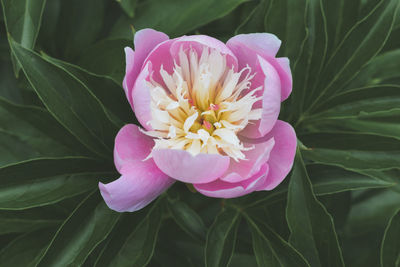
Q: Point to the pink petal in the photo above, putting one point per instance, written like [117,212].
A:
[145,40]
[141,97]
[255,159]
[161,56]
[283,68]
[197,42]
[271,102]
[128,81]
[266,43]
[141,182]
[282,155]
[247,46]
[131,145]
[223,189]
[183,166]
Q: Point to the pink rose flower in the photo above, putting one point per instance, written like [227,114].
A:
[209,117]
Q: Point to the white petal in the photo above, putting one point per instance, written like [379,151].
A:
[228,136]
[172,132]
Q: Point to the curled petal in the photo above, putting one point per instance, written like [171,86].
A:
[145,40]
[247,46]
[129,78]
[255,159]
[271,102]
[131,145]
[222,189]
[141,97]
[266,43]
[141,182]
[282,155]
[183,166]
[160,56]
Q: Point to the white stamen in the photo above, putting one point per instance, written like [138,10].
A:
[189,122]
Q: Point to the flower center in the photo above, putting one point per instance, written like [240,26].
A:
[202,105]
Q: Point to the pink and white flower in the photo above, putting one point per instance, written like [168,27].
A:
[209,117]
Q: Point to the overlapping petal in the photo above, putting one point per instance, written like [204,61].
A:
[183,166]
[145,40]
[141,97]
[271,101]
[247,47]
[140,183]
[282,155]
[222,189]
[131,145]
[255,158]
[141,180]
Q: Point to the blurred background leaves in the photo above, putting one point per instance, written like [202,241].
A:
[61,104]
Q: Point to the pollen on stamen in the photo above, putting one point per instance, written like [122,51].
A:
[213,107]
[207,125]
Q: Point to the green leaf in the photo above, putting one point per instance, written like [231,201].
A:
[240,260]
[287,19]
[43,181]
[327,180]
[390,176]
[26,249]
[107,57]
[338,206]
[22,19]
[187,219]
[110,94]
[354,101]
[25,193]
[43,167]
[340,140]
[371,211]
[306,71]
[362,43]
[340,16]
[353,151]
[38,124]
[27,220]
[21,140]
[79,25]
[385,123]
[382,69]
[178,17]
[390,250]
[330,180]
[73,105]
[373,109]
[359,109]
[9,88]
[377,116]
[270,249]
[134,244]
[221,238]
[87,226]
[311,226]
[355,159]
[128,6]
[254,21]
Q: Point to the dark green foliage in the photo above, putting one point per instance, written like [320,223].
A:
[62,103]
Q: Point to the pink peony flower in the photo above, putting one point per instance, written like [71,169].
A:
[209,113]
